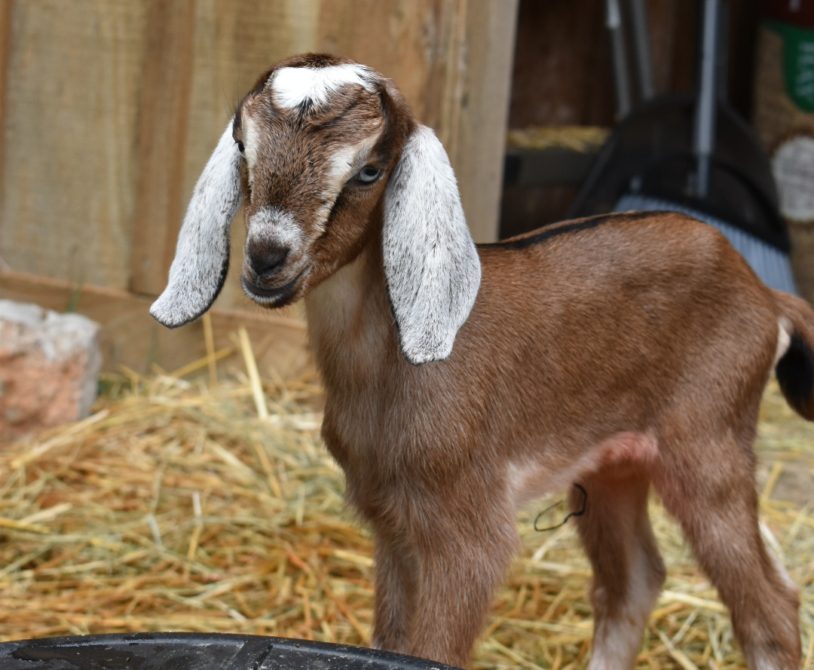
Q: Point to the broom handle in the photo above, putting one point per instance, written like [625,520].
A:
[704,131]
[613,22]
[641,42]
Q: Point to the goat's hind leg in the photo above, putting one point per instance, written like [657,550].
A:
[708,485]
[628,570]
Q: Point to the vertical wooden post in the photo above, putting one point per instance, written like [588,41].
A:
[162,140]
[480,138]
[5,50]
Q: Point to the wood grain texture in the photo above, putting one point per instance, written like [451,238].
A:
[163,124]
[561,72]
[484,109]
[5,47]
[70,121]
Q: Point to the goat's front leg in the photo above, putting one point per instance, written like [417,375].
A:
[462,551]
[395,587]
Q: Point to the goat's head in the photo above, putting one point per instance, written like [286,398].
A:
[327,158]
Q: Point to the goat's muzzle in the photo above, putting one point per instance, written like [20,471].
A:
[266,262]
[272,296]
[265,279]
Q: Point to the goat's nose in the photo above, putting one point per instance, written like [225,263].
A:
[268,261]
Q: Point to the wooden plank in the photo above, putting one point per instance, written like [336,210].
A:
[484,100]
[71,108]
[411,41]
[5,48]
[562,69]
[161,140]
[131,337]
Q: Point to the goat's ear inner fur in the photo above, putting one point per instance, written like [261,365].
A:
[430,261]
[201,258]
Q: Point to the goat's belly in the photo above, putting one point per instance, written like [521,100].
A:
[622,452]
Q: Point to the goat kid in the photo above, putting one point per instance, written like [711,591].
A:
[621,352]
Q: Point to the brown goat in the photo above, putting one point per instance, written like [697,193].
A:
[618,352]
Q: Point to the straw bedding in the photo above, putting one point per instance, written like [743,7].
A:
[193,506]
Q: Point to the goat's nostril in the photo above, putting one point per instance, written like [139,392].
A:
[267,263]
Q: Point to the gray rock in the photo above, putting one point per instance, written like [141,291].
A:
[49,368]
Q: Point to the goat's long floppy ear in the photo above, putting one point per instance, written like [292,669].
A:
[430,261]
[201,258]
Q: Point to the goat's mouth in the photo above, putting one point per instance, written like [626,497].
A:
[269,296]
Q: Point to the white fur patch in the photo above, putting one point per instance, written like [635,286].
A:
[277,228]
[251,142]
[202,252]
[430,261]
[528,480]
[775,553]
[762,663]
[617,640]
[294,85]
[349,159]
[344,163]
[784,329]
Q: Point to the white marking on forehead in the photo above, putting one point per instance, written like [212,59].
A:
[293,85]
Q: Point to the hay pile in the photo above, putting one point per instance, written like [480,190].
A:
[176,507]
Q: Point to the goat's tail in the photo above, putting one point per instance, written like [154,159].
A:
[795,369]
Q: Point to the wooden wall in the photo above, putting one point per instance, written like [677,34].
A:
[562,73]
[109,109]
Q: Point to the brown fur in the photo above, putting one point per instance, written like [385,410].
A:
[628,355]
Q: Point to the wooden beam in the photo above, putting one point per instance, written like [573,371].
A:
[5,50]
[480,132]
[132,338]
[71,106]
[162,139]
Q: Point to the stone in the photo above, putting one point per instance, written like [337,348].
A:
[49,368]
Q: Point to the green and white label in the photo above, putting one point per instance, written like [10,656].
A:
[798,63]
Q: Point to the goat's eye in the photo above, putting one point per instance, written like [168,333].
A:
[368,174]
[240,146]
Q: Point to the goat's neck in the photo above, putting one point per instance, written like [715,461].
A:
[350,322]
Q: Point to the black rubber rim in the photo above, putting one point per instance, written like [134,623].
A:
[193,651]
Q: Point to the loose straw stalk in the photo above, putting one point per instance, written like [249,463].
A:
[254,375]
